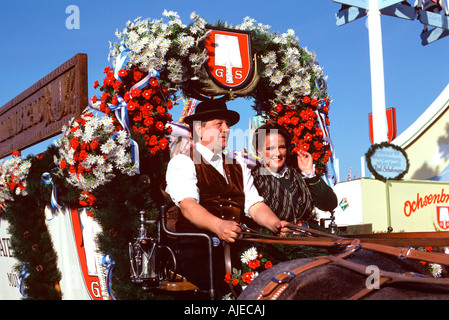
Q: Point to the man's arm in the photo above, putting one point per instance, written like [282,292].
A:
[203,219]
[263,216]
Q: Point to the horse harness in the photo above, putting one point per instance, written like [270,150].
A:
[396,244]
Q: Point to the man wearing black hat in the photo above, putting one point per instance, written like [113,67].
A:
[213,192]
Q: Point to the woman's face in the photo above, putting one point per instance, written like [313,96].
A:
[274,152]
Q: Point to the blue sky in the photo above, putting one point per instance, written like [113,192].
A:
[35,41]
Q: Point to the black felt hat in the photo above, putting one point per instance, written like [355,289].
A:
[213,109]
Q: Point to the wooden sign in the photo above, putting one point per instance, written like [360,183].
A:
[39,112]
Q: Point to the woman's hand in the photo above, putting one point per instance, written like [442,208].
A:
[305,162]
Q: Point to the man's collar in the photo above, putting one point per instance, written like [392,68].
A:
[207,154]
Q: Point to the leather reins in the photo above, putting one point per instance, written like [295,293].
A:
[396,244]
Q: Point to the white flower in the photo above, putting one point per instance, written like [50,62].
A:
[108,146]
[122,137]
[108,167]
[254,275]
[436,269]
[107,121]
[90,160]
[249,255]
[120,152]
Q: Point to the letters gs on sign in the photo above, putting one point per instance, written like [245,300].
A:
[230,63]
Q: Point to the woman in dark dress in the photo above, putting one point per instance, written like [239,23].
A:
[290,188]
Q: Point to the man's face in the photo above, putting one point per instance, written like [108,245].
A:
[214,134]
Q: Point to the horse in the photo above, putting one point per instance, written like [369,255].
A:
[357,273]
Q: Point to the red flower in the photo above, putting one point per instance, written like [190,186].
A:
[137,117]
[135,92]
[278,108]
[268,264]
[159,125]
[309,124]
[148,122]
[84,145]
[308,137]
[247,277]
[96,84]
[122,73]
[228,277]
[108,81]
[160,109]
[305,147]
[153,140]
[254,264]
[306,99]
[132,105]
[235,282]
[94,144]
[126,96]
[105,96]
[163,143]
[154,82]
[91,199]
[83,155]
[147,94]
[63,164]
[137,75]
[143,130]
[74,143]
[169,105]
[16,153]
[116,84]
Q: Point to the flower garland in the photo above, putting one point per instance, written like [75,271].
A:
[91,149]
[144,106]
[13,174]
[292,89]
[171,49]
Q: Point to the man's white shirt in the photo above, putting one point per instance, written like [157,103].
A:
[182,181]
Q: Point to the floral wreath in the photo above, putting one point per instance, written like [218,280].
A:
[292,89]
[13,174]
[91,150]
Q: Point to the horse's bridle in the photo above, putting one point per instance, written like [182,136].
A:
[397,244]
